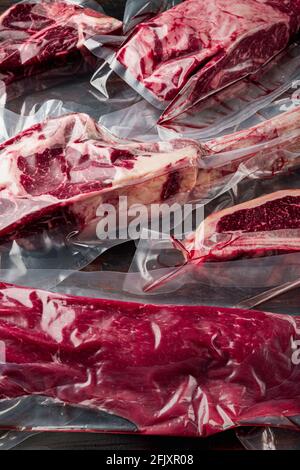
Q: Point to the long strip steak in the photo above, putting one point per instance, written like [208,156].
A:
[174,370]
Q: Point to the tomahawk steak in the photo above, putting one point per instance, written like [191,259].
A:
[173,370]
[39,36]
[200,46]
[58,173]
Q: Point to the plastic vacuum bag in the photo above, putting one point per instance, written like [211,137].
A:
[42,257]
[53,47]
[62,222]
[172,61]
[255,104]
[46,225]
[88,353]
[88,168]
[213,286]
[252,101]
[164,264]
[138,11]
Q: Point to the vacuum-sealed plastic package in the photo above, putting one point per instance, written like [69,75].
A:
[259,100]
[43,256]
[198,48]
[138,11]
[235,285]
[198,370]
[245,104]
[94,170]
[69,190]
[42,38]
[60,173]
[255,218]
[264,151]
[254,228]
[77,167]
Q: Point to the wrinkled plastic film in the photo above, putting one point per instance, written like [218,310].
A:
[28,53]
[188,87]
[161,262]
[249,104]
[251,101]
[137,11]
[269,439]
[44,223]
[67,357]
[32,235]
[233,286]
[9,440]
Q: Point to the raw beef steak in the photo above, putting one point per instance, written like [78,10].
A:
[41,36]
[170,370]
[266,225]
[199,47]
[58,173]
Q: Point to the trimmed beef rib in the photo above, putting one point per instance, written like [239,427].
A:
[200,46]
[255,228]
[40,36]
[65,168]
[173,370]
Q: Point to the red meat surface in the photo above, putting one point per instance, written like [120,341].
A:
[259,227]
[58,174]
[174,370]
[40,36]
[199,47]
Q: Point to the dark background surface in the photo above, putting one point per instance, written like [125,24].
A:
[225,441]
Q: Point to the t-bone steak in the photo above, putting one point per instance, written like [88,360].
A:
[170,370]
[43,36]
[64,168]
[200,47]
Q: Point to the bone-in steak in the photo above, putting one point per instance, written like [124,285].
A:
[266,225]
[66,167]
